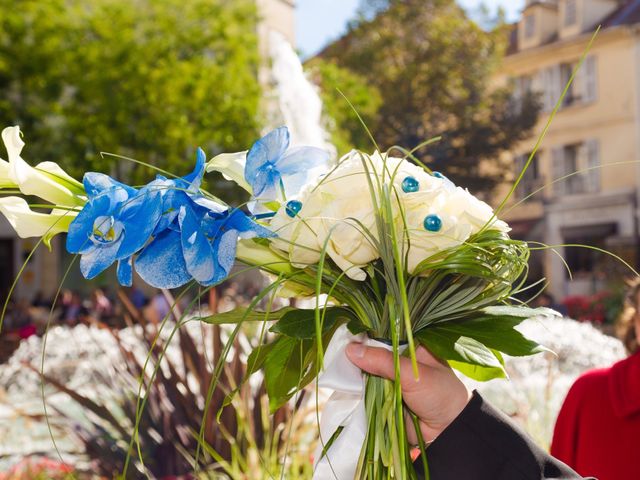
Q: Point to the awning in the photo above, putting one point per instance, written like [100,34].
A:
[523,229]
[601,230]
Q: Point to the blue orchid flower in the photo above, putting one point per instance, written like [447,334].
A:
[183,191]
[195,238]
[277,172]
[115,223]
[204,248]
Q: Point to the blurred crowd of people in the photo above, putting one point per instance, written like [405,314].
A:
[26,317]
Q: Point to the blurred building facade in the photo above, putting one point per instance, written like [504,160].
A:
[45,269]
[594,140]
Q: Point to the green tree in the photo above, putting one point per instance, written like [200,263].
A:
[434,68]
[146,79]
[346,130]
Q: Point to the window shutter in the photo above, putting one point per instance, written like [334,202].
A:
[537,82]
[592,176]
[577,89]
[517,89]
[546,89]
[590,84]
[517,94]
[556,85]
[558,171]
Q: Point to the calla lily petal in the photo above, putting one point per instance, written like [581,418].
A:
[231,165]
[252,253]
[5,179]
[32,181]
[28,223]
[57,174]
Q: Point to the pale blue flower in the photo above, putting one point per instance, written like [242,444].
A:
[277,172]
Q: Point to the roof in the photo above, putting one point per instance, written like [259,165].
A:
[626,14]
[542,3]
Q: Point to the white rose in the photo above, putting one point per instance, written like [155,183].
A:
[455,216]
[338,211]
[298,237]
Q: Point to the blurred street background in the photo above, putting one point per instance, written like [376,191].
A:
[92,82]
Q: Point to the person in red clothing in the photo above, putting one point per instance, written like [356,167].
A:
[598,426]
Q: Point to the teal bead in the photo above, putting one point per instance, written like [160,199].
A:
[438,175]
[410,185]
[432,223]
[293,207]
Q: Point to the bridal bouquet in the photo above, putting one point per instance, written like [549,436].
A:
[391,254]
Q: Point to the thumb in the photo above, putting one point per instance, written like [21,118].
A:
[379,362]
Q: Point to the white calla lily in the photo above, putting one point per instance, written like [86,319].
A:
[28,223]
[5,180]
[231,165]
[47,180]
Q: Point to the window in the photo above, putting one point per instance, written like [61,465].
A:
[582,91]
[576,168]
[572,96]
[532,178]
[570,12]
[583,262]
[574,183]
[529,25]
[522,87]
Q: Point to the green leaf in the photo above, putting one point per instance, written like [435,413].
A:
[273,206]
[476,372]
[519,311]
[301,323]
[494,332]
[355,326]
[243,315]
[284,369]
[463,353]
[255,361]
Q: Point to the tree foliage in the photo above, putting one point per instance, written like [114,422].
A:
[147,79]
[346,130]
[434,68]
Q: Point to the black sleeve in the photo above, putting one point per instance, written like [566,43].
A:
[483,444]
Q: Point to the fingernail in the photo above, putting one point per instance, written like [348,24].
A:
[356,350]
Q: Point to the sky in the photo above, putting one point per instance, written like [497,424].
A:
[320,21]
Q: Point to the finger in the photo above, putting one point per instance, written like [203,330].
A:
[376,361]
[379,362]
[425,357]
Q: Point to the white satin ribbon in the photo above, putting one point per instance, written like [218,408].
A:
[345,408]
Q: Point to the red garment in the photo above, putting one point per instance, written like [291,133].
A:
[598,429]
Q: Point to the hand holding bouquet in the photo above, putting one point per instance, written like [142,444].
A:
[403,257]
